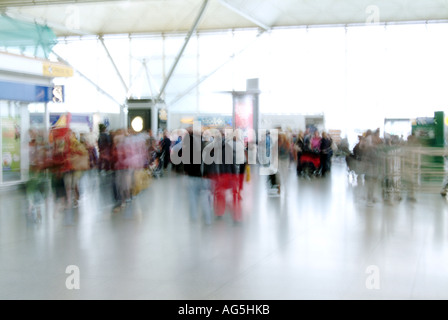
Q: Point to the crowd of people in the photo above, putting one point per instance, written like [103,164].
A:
[64,157]
[132,159]
[311,151]
[390,164]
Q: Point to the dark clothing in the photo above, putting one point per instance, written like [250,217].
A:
[357,151]
[104,141]
[195,146]
[326,154]
[228,163]
[105,151]
[301,146]
[307,143]
[325,145]
[227,175]
[166,146]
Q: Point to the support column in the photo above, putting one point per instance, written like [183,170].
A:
[124,117]
[154,119]
[47,121]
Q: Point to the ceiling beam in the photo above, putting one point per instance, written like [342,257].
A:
[29,3]
[205,77]
[101,90]
[101,38]
[187,40]
[245,15]
[51,25]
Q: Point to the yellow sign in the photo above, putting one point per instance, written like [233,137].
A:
[57,70]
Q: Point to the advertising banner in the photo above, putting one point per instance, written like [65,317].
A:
[11,145]
[244,113]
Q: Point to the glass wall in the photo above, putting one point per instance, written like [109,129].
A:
[356,76]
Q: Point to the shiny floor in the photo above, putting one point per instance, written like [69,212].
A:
[318,240]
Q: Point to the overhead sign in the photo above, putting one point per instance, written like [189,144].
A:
[31,66]
[58,94]
[26,92]
[55,70]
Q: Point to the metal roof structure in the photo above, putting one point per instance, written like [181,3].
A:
[82,17]
[102,19]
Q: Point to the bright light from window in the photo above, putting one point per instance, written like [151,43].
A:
[137,124]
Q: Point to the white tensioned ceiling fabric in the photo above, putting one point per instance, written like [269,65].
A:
[94,17]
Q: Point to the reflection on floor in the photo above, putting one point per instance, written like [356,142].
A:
[318,240]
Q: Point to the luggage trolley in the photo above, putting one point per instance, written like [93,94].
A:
[392,173]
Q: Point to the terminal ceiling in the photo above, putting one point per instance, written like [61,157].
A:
[92,17]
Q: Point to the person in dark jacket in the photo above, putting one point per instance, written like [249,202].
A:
[300,148]
[226,177]
[166,148]
[326,153]
[199,184]
[105,149]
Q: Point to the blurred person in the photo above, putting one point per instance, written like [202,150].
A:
[199,183]
[88,142]
[104,149]
[60,142]
[80,162]
[284,146]
[166,148]
[344,147]
[274,179]
[68,158]
[376,139]
[268,144]
[315,142]
[299,148]
[354,164]
[137,158]
[35,186]
[307,140]
[151,143]
[410,166]
[326,153]
[263,147]
[177,148]
[152,150]
[357,153]
[369,157]
[310,159]
[225,177]
[113,166]
[122,187]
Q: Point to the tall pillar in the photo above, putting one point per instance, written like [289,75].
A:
[154,119]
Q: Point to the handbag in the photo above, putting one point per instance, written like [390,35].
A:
[80,162]
[142,180]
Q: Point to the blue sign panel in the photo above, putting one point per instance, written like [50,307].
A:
[25,92]
[75,118]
